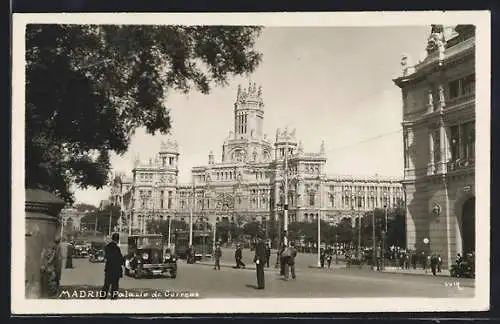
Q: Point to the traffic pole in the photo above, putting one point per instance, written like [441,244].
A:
[374,256]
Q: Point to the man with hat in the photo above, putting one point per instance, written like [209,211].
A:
[217,256]
[238,255]
[260,260]
[113,270]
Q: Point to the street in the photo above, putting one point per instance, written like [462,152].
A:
[312,283]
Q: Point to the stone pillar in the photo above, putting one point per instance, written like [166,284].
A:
[42,223]
[442,165]
[430,165]
[430,101]
[442,99]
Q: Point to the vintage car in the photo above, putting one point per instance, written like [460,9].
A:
[96,251]
[464,268]
[80,250]
[148,257]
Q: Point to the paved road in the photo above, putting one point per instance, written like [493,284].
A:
[315,283]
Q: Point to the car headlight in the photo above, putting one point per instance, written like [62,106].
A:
[145,256]
[173,259]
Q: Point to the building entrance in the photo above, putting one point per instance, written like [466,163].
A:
[469,226]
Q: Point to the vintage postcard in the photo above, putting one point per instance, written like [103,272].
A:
[251,163]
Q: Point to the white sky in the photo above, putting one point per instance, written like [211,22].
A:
[332,84]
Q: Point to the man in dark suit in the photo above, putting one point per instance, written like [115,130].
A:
[259,260]
[238,256]
[113,270]
[268,254]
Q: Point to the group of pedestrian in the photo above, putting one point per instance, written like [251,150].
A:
[52,263]
[287,255]
[50,269]
[326,255]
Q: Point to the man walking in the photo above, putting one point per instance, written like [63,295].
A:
[113,270]
[217,256]
[69,255]
[259,260]
[290,260]
[268,254]
[238,255]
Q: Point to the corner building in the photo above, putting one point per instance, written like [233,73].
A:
[439,141]
[247,182]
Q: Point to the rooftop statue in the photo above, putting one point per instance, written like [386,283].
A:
[436,39]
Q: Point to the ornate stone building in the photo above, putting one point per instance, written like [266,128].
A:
[71,219]
[247,182]
[439,140]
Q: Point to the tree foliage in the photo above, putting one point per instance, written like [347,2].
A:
[101,217]
[82,207]
[89,87]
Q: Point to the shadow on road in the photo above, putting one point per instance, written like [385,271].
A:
[251,286]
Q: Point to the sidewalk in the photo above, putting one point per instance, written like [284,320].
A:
[428,272]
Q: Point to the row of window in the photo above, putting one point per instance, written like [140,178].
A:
[459,142]
[282,151]
[170,160]
[361,190]
[241,121]
[462,87]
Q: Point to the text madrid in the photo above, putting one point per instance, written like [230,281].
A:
[86,294]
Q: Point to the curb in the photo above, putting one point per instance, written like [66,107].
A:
[252,267]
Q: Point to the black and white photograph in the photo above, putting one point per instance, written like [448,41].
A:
[251,163]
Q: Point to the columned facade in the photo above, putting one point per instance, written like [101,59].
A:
[439,144]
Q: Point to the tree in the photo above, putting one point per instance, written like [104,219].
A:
[309,231]
[82,207]
[102,217]
[89,87]
[344,230]
[396,232]
[252,229]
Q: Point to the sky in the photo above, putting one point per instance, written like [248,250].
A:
[331,84]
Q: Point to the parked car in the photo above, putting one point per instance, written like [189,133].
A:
[148,257]
[96,251]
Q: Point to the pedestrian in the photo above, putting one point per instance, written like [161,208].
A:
[259,260]
[322,257]
[268,254]
[287,254]
[329,257]
[69,255]
[433,262]
[439,263]
[217,256]
[50,269]
[379,252]
[291,260]
[113,270]
[238,255]
[282,263]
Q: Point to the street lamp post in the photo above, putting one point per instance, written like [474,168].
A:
[169,218]
[215,235]
[384,239]
[374,256]
[319,241]
[191,210]
[285,189]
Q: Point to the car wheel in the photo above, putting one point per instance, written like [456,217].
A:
[173,275]
[127,272]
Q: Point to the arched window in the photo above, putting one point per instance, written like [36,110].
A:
[312,196]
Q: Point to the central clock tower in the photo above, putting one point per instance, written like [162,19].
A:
[247,142]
